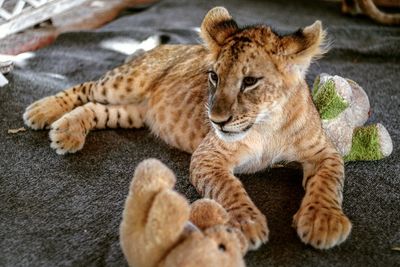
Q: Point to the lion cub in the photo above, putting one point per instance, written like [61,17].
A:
[239,103]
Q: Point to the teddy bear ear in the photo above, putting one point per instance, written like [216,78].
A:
[206,213]
[151,175]
[217,25]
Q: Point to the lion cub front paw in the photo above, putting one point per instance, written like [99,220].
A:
[67,134]
[253,225]
[321,227]
[42,113]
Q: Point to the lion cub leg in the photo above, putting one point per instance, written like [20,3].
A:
[119,86]
[211,172]
[114,101]
[68,133]
[320,220]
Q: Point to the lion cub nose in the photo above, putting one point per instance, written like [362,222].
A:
[220,121]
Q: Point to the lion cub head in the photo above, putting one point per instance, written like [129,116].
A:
[253,70]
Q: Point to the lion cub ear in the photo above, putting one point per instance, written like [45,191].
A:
[302,47]
[217,25]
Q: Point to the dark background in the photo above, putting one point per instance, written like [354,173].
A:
[65,210]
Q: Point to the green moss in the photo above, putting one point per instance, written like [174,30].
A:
[327,101]
[365,144]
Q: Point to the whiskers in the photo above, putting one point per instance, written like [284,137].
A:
[261,118]
[207,107]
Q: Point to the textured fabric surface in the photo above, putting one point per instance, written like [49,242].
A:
[65,210]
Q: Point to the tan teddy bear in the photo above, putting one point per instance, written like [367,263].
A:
[159,228]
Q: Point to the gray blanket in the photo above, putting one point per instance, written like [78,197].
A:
[65,210]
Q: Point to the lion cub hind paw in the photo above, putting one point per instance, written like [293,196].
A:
[67,136]
[42,113]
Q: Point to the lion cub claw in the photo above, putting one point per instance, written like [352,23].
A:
[253,226]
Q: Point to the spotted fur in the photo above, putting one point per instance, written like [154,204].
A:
[256,111]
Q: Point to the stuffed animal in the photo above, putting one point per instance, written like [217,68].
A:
[344,108]
[159,228]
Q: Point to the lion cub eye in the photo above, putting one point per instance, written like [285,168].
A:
[213,78]
[249,83]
